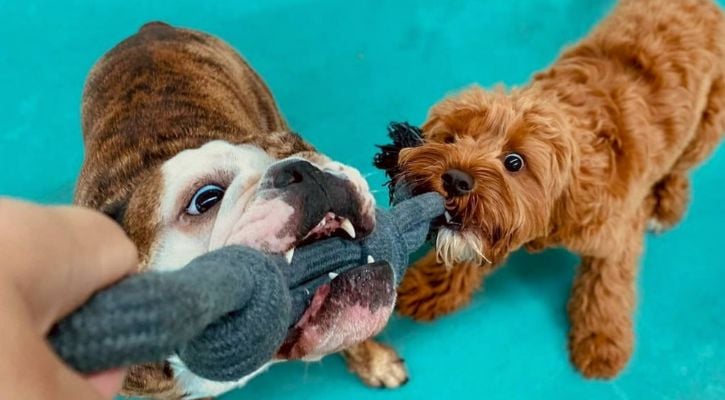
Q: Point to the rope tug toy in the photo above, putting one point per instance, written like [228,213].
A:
[226,313]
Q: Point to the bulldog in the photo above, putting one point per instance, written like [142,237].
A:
[187,150]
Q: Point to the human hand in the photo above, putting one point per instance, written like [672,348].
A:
[53,259]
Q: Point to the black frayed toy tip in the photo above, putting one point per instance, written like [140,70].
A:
[404,135]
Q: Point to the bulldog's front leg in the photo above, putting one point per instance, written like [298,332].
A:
[376,364]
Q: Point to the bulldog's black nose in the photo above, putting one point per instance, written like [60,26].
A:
[298,171]
[457,182]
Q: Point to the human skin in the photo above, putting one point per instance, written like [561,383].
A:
[53,259]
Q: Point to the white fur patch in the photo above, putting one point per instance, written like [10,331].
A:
[189,165]
[174,250]
[175,247]
[197,387]
[453,247]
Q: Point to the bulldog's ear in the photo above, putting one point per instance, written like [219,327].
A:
[117,210]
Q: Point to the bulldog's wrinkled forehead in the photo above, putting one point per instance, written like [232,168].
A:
[217,161]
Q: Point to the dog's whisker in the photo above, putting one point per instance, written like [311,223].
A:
[306,374]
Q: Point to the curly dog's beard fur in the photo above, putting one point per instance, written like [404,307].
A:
[505,209]
[453,247]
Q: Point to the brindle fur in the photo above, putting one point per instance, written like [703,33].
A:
[161,91]
[164,90]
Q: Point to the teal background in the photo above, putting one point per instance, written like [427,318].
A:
[340,71]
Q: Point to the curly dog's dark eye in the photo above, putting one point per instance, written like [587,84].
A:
[204,199]
[513,162]
[449,139]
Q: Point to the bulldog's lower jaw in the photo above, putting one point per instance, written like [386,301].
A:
[353,307]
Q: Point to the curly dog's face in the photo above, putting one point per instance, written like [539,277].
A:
[502,161]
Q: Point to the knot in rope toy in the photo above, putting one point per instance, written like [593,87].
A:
[226,313]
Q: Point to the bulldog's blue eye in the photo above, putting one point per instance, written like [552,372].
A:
[204,199]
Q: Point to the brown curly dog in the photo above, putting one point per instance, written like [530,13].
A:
[583,157]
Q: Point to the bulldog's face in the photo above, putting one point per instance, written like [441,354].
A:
[222,194]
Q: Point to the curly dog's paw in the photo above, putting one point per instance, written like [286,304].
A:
[599,356]
[377,365]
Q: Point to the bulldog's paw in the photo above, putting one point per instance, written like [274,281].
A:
[376,364]
[598,355]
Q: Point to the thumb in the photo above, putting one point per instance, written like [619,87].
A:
[107,383]
[28,368]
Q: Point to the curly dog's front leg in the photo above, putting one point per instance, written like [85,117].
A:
[430,289]
[602,304]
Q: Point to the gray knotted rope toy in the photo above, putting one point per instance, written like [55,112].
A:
[227,312]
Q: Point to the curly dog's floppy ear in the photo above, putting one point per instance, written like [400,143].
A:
[403,135]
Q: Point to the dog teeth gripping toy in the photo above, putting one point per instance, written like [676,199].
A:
[227,312]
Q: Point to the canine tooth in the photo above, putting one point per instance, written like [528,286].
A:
[448,216]
[332,275]
[370,260]
[346,226]
[288,255]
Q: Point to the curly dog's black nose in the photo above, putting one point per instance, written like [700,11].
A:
[457,182]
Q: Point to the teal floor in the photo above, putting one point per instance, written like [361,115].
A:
[340,71]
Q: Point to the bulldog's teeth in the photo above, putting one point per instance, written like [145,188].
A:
[371,260]
[288,255]
[332,275]
[346,226]
[448,216]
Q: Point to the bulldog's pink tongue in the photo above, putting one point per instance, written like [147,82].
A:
[353,307]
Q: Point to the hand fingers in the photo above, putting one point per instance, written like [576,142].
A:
[28,367]
[57,257]
[103,255]
[107,383]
